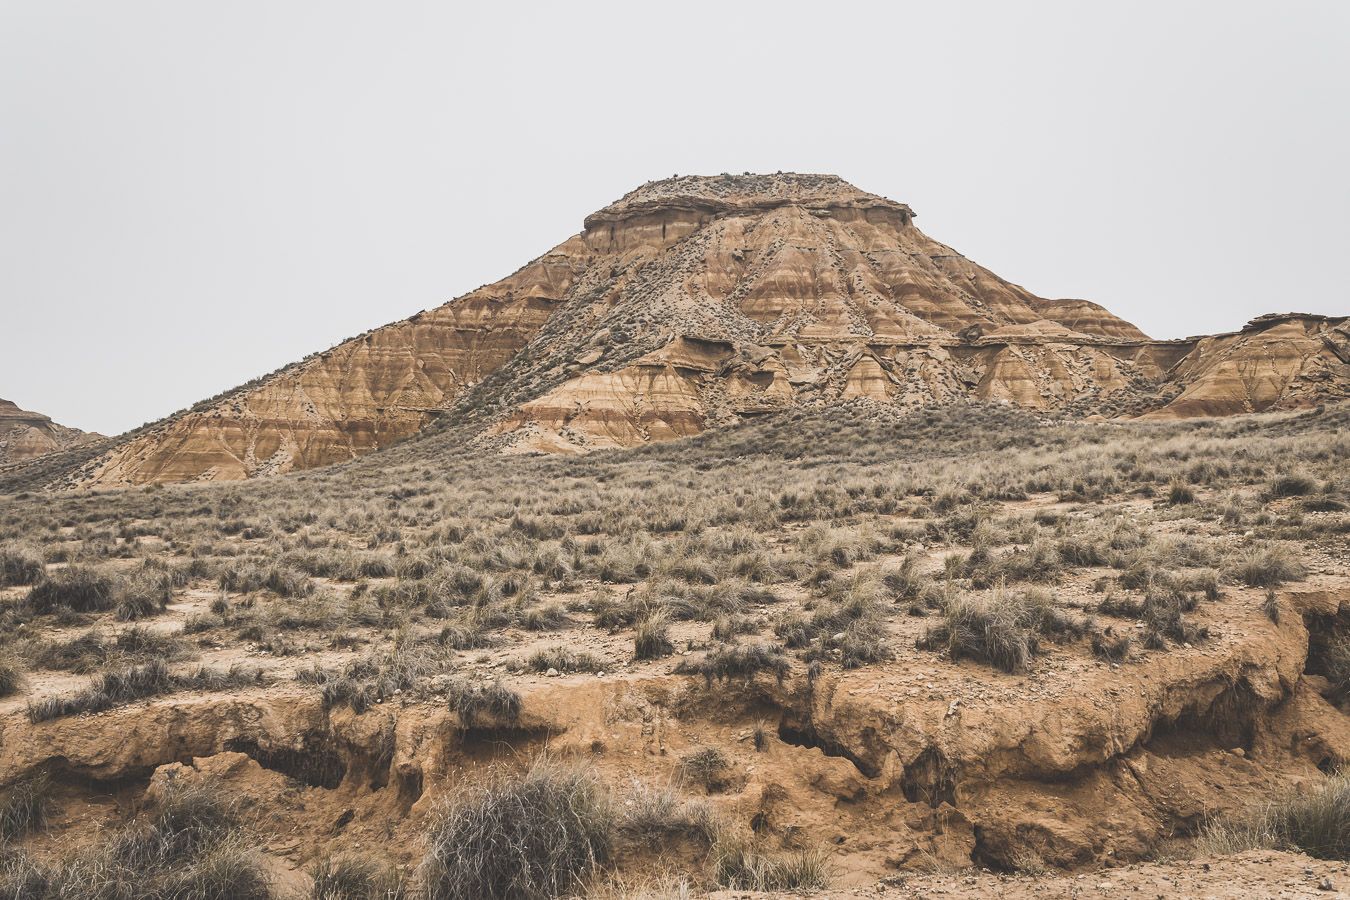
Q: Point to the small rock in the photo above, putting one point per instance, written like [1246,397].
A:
[551,673]
[1325,884]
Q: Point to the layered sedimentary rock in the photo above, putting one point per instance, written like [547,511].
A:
[1276,361]
[694,302]
[28,435]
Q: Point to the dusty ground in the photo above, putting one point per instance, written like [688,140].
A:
[1254,874]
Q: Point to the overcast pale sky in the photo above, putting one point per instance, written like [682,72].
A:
[193,193]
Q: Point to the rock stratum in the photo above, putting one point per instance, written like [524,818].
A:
[25,436]
[697,302]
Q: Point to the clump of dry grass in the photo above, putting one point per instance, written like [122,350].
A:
[20,565]
[1003,629]
[652,638]
[743,661]
[742,863]
[152,679]
[475,702]
[535,836]
[348,877]
[1270,565]
[1316,823]
[190,845]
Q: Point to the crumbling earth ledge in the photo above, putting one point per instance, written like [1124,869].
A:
[903,766]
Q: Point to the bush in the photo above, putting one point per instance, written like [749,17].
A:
[77,588]
[471,702]
[20,565]
[11,677]
[531,837]
[145,595]
[283,581]
[190,846]
[1316,823]
[652,639]
[1268,566]
[738,661]
[355,878]
[564,660]
[1002,630]
[740,864]
[1336,663]
[365,682]
[1180,493]
[1291,486]
[706,767]
[25,807]
[137,683]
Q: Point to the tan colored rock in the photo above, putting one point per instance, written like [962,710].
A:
[28,435]
[1276,362]
[694,301]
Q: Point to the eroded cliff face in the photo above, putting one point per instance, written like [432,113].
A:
[693,302]
[27,435]
[1276,362]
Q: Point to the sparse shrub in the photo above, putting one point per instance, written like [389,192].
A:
[25,807]
[1038,562]
[1270,565]
[284,581]
[563,659]
[145,595]
[545,618]
[466,635]
[189,846]
[739,863]
[738,661]
[531,837]
[77,588]
[1271,606]
[904,582]
[473,702]
[1336,663]
[653,814]
[1113,648]
[1316,823]
[11,676]
[355,878]
[706,768]
[728,628]
[652,639]
[1180,493]
[365,682]
[1291,486]
[20,565]
[1000,630]
[137,683]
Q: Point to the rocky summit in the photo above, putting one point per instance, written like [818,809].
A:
[698,302]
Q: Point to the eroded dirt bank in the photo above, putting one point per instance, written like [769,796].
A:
[899,769]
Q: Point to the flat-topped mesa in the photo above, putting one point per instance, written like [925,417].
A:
[669,210]
[692,303]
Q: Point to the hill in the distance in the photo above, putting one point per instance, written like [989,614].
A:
[25,436]
[698,302]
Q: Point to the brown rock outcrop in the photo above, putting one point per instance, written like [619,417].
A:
[693,302]
[27,435]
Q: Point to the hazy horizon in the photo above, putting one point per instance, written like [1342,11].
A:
[193,195]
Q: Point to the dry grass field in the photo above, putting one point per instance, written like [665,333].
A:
[816,649]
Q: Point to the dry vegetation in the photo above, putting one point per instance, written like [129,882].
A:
[803,543]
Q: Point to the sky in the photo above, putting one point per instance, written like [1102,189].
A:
[196,193]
